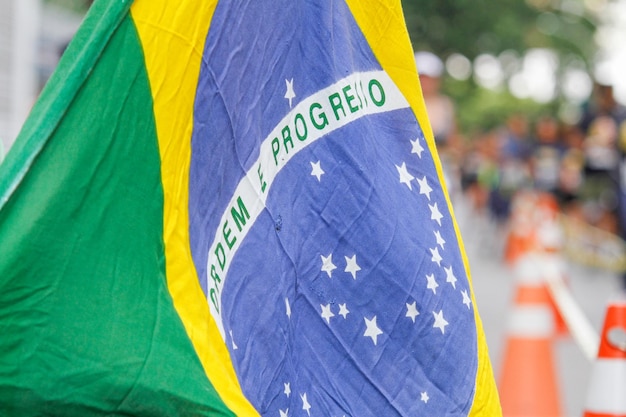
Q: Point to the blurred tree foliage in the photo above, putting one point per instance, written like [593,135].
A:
[480,110]
[475,27]
[472,27]
[79,6]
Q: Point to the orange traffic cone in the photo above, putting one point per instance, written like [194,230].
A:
[535,229]
[550,240]
[607,387]
[528,384]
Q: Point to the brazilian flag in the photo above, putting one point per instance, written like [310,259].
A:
[235,208]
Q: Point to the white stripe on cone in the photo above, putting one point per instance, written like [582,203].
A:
[528,270]
[531,269]
[606,394]
[531,321]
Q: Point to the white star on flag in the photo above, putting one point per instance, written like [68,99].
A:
[432,284]
[326,313]
[411,311]
[317,171]
[284,413]
[424,397]
[424,187]
[417,147]
[290,94]
[287,390]
[405,177]
[343,310]
[327,264]
[436,257]
[435,214]
[440,322]
[305,404]
[372,329]
[287,307]
[450,277]
[466,299]
[440,240]
[351,266]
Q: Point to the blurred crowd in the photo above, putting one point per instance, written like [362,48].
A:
[579,164]
[583,165]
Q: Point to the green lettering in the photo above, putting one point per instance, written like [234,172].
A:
[213,295]
[216,278]
[275,149]
[321,116]
[381,100]
[336,104]
[221,255]
[349,98]
[287,138]
[226,232]
[240,216]
[301,136]
[263,183]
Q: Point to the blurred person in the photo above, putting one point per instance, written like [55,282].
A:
[442,116]
[603,103]
[515,138]
[514,150]
[571,174]
[440,108]
[470,167]
[603,149]
[479,171]
[570,182]
[546,155]
[604,126]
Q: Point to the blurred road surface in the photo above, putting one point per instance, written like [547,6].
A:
[494,289]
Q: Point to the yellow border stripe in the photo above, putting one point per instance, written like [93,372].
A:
[172,34]
[382,22]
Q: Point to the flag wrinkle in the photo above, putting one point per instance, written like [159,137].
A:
[102,160]
[453,399]
[337,389]
[293,272]
[147,356]
[362,368]
[158,29]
